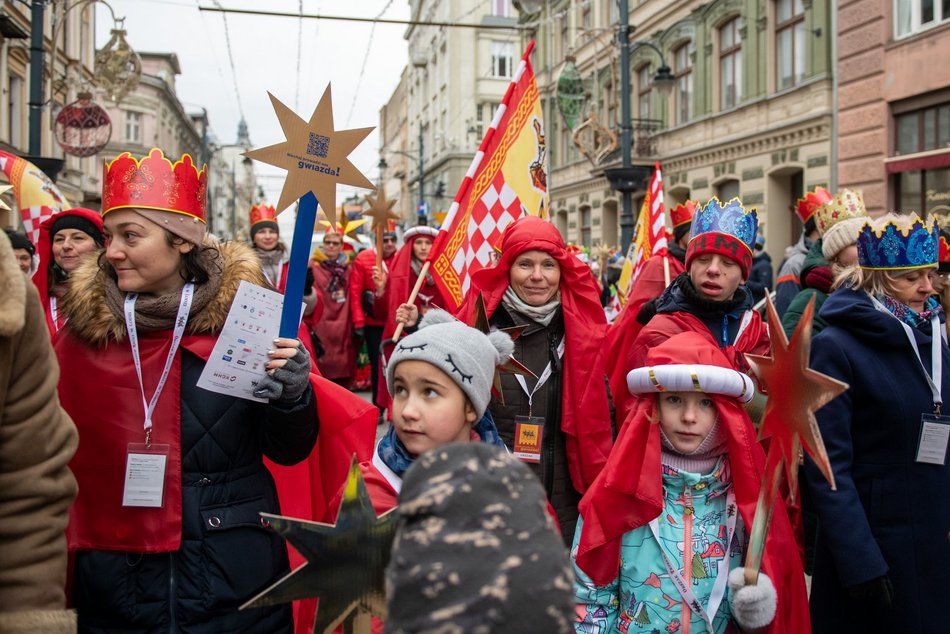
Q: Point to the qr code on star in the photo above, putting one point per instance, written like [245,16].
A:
[318,145]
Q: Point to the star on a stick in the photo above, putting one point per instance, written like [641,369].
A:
[380,209]
[314,155]
[511,365]
[345,561]
[795,391]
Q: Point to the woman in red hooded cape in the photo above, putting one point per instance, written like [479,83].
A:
[576,434]
[629,493]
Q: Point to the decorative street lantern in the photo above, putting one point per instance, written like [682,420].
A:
[82,127]
[571,92]
[118,67]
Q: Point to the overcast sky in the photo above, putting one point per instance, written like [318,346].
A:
[265,51]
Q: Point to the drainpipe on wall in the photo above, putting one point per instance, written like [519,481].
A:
[833,185]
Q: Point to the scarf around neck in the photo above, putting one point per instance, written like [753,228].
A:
[542,314]
[337,270]
[158,312]
[395,455]
[416,267]
[910,316]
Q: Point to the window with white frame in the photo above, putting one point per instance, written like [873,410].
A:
[789,43]
[730,65]
[501,8]
[911,16]
[15,110]
[644,88]
[683,71]
[133,126]
[502,57]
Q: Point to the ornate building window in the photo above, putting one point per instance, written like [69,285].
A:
[133,126]
[683,71]
[789,43]
[502,56]
[911,16]
[644,88]
[730,65]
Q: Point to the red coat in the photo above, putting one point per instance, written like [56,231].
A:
[335,326]
[624,330]
[361,279]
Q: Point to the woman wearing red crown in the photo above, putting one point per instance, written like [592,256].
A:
[165,530]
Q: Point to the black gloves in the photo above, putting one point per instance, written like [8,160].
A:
[878,592]
[308,282]
[287,383]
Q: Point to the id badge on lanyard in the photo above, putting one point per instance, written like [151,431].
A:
[147,463]
[529,430]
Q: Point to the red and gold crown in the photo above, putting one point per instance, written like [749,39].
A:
[845,204]
[806,207]
[154,182]
[683,213]
[263,213]
[943,251]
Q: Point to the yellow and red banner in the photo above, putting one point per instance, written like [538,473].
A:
[37,197]
[506,180]
[649,237]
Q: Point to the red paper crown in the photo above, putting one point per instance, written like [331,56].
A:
[155,183]
[262,213]
[806,207]
[943,250]
[681,214]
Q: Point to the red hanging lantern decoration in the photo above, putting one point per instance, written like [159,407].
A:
[82,128]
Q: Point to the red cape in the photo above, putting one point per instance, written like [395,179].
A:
[624,330]
[99,521]
[585,412]
[629,493]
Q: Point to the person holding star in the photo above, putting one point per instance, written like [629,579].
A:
[882,554]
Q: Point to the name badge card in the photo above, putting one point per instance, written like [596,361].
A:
[529,430]
[145,475]
[934,434]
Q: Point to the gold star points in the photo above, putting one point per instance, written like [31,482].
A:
[380,210]
[314,155]
[345,562]
[795,391]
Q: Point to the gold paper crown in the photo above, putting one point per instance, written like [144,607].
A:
[847,203]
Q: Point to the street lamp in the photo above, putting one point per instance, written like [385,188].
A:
[422,217]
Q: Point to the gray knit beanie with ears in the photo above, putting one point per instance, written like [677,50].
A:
[468,356]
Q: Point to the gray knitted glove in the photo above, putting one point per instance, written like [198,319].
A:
[288,383]
[753,607]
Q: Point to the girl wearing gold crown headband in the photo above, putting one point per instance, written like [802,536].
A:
[165,530]
[881,556]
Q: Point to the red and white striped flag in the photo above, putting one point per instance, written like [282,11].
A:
[506,180]
[649,237]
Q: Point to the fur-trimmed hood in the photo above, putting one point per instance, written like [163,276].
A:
[12,290]
[91,320]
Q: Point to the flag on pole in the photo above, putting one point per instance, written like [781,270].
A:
[36,195]
[506,180]
[649,237]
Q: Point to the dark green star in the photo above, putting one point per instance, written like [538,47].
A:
[345,561]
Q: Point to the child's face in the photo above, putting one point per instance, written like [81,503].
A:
[686,418]
[429,408]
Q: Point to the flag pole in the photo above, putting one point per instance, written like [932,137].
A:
[412,296]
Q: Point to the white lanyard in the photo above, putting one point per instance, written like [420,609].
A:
[54,312]
[936,359]
[180,320]
[541,379]
[719,586]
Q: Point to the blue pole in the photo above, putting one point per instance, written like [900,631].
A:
[299,261]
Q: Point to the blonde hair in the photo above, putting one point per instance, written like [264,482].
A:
[874,282]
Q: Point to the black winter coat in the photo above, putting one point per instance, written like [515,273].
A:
[227,553]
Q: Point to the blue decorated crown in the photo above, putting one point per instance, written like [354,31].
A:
[898,242]
[730,218]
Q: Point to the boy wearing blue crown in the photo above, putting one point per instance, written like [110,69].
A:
[882,557]
[711,298]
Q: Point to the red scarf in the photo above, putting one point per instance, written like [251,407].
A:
[585,412]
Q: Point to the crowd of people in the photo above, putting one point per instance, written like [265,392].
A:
[551,471]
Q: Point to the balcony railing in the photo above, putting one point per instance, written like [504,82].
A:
[644,136]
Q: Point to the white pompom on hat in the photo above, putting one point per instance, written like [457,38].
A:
[841,235]
[466,355]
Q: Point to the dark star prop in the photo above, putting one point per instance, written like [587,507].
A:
[511,365]
[345,561]
[795,391]
[381,211]
[314,155]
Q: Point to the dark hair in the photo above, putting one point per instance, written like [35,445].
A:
[193,264]
[810,225]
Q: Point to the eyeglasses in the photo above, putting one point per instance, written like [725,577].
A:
[332,244]
[392,240]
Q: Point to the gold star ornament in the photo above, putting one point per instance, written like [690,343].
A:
[346,561]
[795,391]
[314,155]
[380,210]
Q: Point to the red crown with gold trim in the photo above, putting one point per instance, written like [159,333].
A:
[681,214]
[943,250]
[262,213]
[806,207]
[154,182]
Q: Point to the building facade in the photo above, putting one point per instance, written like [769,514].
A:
[749,113]
[894,104]
[395,164]
[455,80]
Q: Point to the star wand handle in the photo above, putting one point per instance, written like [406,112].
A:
[762,519]
[412,295]
[297,269]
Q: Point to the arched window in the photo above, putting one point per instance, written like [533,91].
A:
[789,43]
[730,65]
